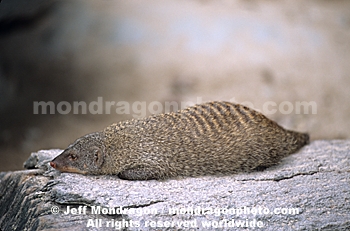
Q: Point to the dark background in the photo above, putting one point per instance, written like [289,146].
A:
[243,51]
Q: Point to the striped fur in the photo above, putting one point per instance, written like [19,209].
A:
[206,139]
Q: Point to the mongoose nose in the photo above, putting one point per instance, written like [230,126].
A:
[53,164]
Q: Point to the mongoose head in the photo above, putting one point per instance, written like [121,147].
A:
[85,156]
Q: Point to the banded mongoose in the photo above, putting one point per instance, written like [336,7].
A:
[206,139]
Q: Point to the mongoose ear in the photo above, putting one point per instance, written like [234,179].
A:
[98,157]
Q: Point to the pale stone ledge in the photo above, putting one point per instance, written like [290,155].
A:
[315,181]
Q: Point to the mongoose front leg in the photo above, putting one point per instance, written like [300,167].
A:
[139,174]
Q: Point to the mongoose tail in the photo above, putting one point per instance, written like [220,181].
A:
[303,139]
[298,140]
[215,138]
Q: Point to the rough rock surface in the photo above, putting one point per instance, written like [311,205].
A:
[315,182]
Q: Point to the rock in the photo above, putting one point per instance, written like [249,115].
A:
[308,190]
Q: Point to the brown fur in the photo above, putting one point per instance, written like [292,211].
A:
[206,139]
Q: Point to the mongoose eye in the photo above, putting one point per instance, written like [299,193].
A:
[73,157]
